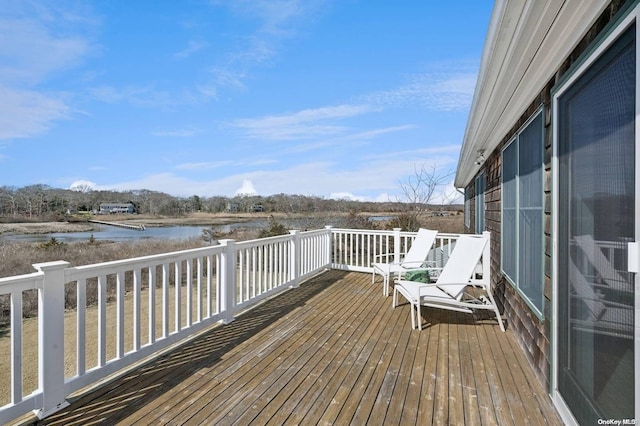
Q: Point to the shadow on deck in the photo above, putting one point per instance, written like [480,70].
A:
[329,352]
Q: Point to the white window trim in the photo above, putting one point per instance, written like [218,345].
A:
[480,221]
[539,312]
[467,209]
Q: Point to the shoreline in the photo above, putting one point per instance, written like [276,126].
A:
[34,228]
[196,219]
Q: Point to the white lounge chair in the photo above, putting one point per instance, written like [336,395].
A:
[416,257]
[601,316]
[450,289]
[603,267]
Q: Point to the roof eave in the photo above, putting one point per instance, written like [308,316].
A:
[526,43]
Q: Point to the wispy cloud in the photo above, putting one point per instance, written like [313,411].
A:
[211,165]
[131,94]
[204,165]
[37,41]
[179,133]
[35,49]
[146,96]
[442,157]
[305,124]
[25,113]
[276,17]
[449,150]
[448,89]
[374,133]
[192,47]
[227,77]
[276,21]
[208,91]
[358,137]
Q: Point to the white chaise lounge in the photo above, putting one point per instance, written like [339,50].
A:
[416,257]
[450,289]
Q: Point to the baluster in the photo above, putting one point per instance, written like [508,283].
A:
[189,277]
[152,304]
[137,289]
[120,314]
[102,320]
[81,326]
[16,346]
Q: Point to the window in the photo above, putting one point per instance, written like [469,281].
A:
[480,203]
[523,213]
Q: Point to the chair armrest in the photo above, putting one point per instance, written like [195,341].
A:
[417,263]
[435,270]
[420,264]
[383,255]
[417,284]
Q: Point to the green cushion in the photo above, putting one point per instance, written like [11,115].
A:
[421,276]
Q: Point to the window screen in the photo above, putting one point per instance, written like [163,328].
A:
[522,212]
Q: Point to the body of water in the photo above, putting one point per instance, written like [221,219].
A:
[382,218]
[113,233]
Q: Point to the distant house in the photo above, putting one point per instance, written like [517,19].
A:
[549,164]
[107,208]
[232,207]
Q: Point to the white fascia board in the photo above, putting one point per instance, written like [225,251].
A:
[527,43]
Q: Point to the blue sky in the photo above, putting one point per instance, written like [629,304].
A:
[331,98]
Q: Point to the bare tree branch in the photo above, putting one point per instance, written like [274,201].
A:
[421,190]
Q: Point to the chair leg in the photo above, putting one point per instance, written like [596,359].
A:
[385,286]
[493,303]
[415,317]
[394,303]
[499,319]
[418,316]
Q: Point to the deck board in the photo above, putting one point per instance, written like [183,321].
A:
[416,374]
[326,379]
[441,402]
[456,400]
[481,378]
[467,366]
[332,351]
[400,392]
[427,399]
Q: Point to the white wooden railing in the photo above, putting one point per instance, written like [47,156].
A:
[356,249]
[134,308]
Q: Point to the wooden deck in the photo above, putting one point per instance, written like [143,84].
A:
[329,352]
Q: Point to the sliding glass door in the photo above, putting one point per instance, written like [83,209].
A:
[596,160]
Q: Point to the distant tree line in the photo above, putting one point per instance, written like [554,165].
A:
[42,202]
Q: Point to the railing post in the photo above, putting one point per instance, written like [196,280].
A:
[227,289]
[51,338]
[294,258]
[396,245]
[329,245]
